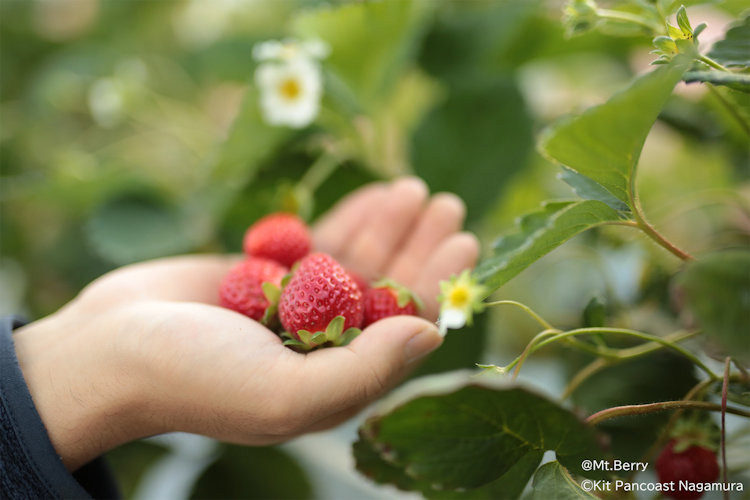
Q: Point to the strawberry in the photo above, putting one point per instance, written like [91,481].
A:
[320,303]
[359,280]
[388,298]
[684,461]
[242,288]
[281,237]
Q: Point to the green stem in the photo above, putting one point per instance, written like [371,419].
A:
[613,356]
[695,392]
[526,309]
[530,347]
[712,63]
[319,171]
[620,411]
[651,231]
[724,392]
[732,110]
[555,335]
[592,368]
[627,17]
[640,350]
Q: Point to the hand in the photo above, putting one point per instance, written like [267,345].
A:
[145,349]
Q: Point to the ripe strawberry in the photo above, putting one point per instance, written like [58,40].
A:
[359,280]
[242,288]
[318,292]
[281,237]
[388,298]
[693,463]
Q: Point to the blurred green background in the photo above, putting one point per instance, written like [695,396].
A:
[130,130]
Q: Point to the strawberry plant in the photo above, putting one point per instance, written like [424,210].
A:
[486,437]
[598,326]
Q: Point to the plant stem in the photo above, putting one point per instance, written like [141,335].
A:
[732,110]
[614,356]
[632,333]
[319,171]
[707,60]
[724,392]
[526,309]
[587,371]
[620,411]
[530,347]
[692,394]
[651,231]
[537,343]
[627,17]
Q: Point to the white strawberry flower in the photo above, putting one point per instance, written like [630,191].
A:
[460,298]
[288,49]
[290,91]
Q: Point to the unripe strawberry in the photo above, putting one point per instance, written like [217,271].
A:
[282,237]
[319,291]
[694,464]
[242,288]
[387,298]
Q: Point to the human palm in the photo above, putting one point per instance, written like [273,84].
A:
[152,347]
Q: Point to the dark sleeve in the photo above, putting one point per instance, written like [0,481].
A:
[30,468]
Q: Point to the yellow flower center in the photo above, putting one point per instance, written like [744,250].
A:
[290,89]
[459,297]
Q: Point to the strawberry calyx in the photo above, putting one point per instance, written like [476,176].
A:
[272,293]
[403,294]
[334,334]
[688,433]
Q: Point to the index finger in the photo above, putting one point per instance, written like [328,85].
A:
[188,278]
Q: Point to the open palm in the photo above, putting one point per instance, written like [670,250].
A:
[152,343]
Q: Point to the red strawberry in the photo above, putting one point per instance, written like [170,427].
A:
[241,290]
[319,291]
[388,298]
[281,237]
[694,464]
[359,280]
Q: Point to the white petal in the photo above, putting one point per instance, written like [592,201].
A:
[280,109]
[267,50]
[451,318]
[316,48]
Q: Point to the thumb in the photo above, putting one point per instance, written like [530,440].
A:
[373,363]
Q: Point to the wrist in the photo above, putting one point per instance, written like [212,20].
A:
[81,383]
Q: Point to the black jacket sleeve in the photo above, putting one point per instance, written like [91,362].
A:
[30,468]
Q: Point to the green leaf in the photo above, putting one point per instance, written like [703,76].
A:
[594,314]
[508,486]
[683,22]
[475,435]
[539,233]
[131,461]
[253,473]
[451,156]
[136,227]
[734,49]
[589,189]
[736,81]
[370,41]
[250,142]
[605,142]
[348,335]
[717,292]
[271,292]
[553,481]
[632,383]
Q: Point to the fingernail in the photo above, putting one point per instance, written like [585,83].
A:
[423,343]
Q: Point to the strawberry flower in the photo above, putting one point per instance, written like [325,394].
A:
[290,81]
[460,298]
[286,50]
